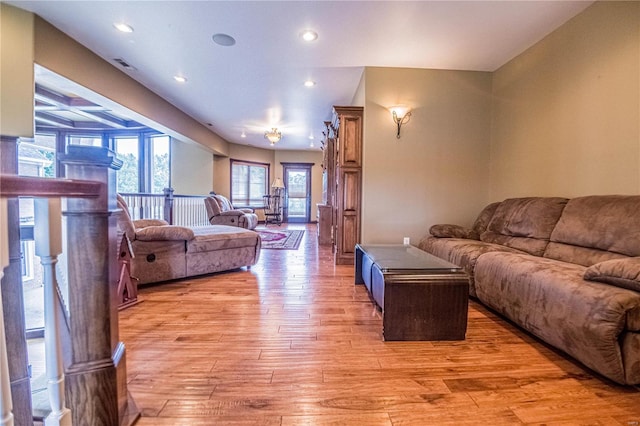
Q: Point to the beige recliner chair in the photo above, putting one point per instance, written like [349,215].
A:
[164,252]
[221,212]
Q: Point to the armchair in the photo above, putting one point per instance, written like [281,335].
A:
[221,212]
[162,252]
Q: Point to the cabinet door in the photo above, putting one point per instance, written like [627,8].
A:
[350,141]
[348,220]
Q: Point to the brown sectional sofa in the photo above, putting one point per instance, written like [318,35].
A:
[566,270]
[163,252]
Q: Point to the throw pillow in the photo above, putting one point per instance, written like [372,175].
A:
[624,273]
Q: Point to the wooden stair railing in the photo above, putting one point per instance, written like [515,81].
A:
[48,247]
[93,359]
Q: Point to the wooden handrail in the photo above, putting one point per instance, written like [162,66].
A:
[18,186]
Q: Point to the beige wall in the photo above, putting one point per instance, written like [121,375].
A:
[567,111]
[222,168]
[16,72]
[191,168]
[222,165]
[438,170]
[61,54]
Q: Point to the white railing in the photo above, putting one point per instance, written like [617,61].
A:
[189,211]
[145,206]
[183,210]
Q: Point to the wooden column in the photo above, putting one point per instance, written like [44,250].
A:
[348,156]
[13,298]
[96,372]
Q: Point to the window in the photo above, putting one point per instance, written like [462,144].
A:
[146,163]
[249,182]
[37,157]
[160,167]
[128,176]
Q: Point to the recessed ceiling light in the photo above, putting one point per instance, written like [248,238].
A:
[223,39]
[123,27]
[180,79]
[309,35]
[311,137]
[243,135]
[309,83]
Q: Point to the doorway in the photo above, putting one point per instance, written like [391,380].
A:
[297,193]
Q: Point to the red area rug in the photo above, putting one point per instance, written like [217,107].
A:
[280,240]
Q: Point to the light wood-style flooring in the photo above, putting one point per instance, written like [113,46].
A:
[293,341]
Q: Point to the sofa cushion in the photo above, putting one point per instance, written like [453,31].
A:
[484,218]
[597,228]
[524,223]
[221,237]
[624,273]
[224,202]
[461,252]
[164,233]
[584,256]
[551,299]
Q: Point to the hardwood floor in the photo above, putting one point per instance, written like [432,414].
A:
[293,341]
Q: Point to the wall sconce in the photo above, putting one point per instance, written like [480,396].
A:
[401,115]
[273,136]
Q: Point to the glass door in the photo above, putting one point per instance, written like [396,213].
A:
[297,193]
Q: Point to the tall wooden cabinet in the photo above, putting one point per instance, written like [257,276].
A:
[343,168]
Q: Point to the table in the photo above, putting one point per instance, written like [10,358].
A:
[422,297]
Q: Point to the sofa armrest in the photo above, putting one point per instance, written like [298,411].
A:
[143,223]
[164,233]
[246,210]
[453,231]
[623,273]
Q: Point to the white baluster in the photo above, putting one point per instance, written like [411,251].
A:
[6,405]
[48,236]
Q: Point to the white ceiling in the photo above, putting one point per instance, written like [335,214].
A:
[258,83]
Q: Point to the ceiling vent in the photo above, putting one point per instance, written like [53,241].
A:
[124,64]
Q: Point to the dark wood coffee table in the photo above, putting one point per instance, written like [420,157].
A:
[422,297]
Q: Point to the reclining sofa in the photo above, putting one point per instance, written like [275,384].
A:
[163,252]
[566,270]
[220,211]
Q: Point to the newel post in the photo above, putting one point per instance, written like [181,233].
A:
[95,365]
[168,205]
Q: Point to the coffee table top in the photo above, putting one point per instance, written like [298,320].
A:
[397,257]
